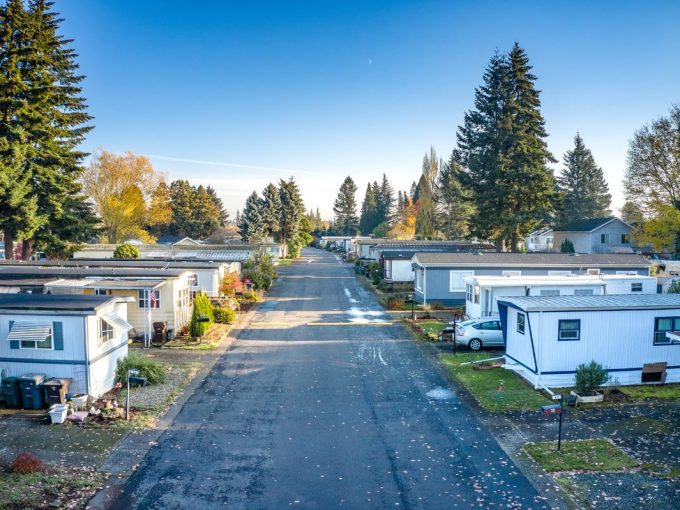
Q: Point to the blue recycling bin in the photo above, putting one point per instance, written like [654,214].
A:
[32,391]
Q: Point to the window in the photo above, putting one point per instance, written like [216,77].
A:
[559,273]
[184,298]
[625,239]
[153,301]
[636,287]
[583,292]
[512,273]
[105,332]
[593,271]
[102,292]
[456,283]
[604,238]
[663,325]
[468,292]
[521,322]
[569,329]
[489,325]
[193,280]
[419,279]
[550,292]
[32,335]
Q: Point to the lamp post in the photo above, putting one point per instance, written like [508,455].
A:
[131,372]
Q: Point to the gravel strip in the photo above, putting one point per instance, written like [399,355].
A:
[154,396]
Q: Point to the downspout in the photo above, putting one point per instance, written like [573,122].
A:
[424,285]
[538,347]
[87,357]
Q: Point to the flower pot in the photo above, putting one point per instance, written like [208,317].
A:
[80,401]
[589,399]
[58,413]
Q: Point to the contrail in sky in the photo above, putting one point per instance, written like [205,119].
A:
[232,165]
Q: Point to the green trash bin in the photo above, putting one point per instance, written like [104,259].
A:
[11,391]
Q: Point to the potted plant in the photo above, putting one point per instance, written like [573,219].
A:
[589,378]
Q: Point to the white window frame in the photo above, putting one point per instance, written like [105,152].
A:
[463,274]
[521,325]
[143,299]
[636,287]
[420,274]
[35,343]
[512,272]
[593,270]
[106,332]
[604,238]
[193,280]
[468,292]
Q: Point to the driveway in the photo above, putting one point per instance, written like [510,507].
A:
[324,403]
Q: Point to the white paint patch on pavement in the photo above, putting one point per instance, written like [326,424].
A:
[381,358]
[365,316]
[440,393]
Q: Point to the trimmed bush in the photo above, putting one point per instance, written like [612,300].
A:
[202,309]
[567,246]
[224,315]
[153,371]
[126,251]
[26,463]
[395,303]
[590,377]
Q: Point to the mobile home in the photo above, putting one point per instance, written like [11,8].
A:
[635,337]
[77,337]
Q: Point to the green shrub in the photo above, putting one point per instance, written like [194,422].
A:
[590,377]
[202,308]
[567,246]
[251,295]
[224,315]
[260,271]
[126,251]
[153,371]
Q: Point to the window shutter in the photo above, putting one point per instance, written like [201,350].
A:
[58,336]
[13,344]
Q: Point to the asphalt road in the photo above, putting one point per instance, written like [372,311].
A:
[323,404]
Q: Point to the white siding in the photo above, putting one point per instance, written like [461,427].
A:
[73,333]
[518,345]
[402,271]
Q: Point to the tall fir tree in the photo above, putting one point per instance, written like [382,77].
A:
[455,205]
[426,221]
[345,207]
[219,204]
[181,202]
[271,210]
[292,211]
[57,124]
[369,212]
[385,201]
[252,227]
[205,215]
[583,188]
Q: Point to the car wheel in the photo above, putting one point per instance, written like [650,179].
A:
[475,344]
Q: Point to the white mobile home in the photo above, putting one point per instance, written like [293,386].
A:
[546,338]
[77,337]
[482,292]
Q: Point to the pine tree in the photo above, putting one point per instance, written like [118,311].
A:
[219,204]
[57,123]
[385,202]
[369,212]
[205,215]
[584,190]
[271,209]
[252,227]
[182,204]
[345,207]
[455,206]
[292,210]
[426,217]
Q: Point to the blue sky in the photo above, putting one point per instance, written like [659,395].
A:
[237,94]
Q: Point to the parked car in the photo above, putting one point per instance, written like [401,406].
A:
[475,333]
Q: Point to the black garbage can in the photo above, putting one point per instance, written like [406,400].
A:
[11,391]
[32,390]
[56,389]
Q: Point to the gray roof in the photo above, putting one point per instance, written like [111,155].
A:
[80,303]
[17,271]
[435,245]
[122,263]
[585,225]
[26,282]
[530,259]
[106,283]
[609,302]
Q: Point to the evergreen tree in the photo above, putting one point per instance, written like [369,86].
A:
[385,201]
[271,210]
[223,215]
[345,207]
[57,122]
[252,227]
[369,212]
[205,218]
[412,192]
[455,206]
[584,190]
[292,210]
[426,217]
[182,204]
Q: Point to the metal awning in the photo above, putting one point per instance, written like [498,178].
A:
[30,331]
[117,322]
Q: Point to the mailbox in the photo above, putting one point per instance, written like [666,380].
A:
[552,409]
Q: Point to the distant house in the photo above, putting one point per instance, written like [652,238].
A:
[595,235]
[539,240]
[635,337]
[440,277]
[77,337]
[376,251]
[187,250]
[483,292]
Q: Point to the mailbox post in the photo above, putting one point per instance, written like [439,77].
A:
[549,410]
[411,299]
[131,372]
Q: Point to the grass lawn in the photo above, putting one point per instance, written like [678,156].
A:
[653,391]
[587,455]
[72,486]
[285,262]
[433,327]
[483,384]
